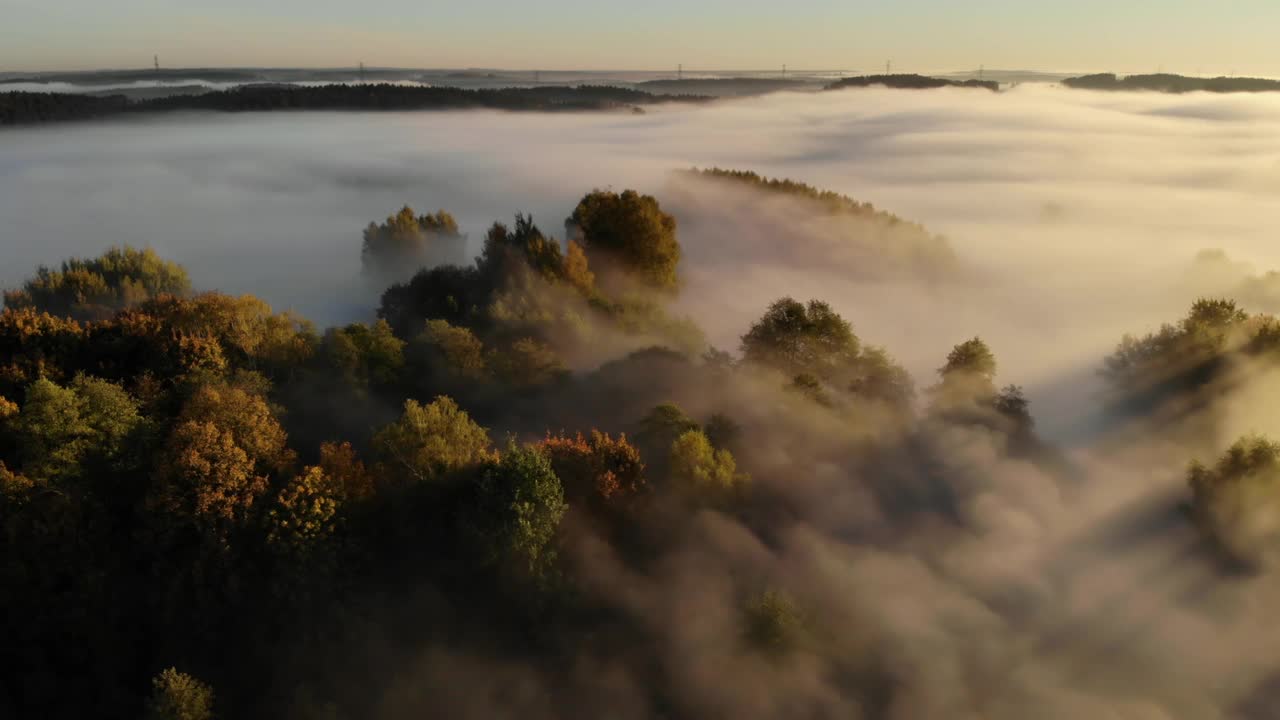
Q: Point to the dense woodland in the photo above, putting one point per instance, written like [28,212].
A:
[211,509]
[1169,83]
[18,108]
[910,82]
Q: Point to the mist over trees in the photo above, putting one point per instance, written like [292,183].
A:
[872,243]
[530,487]
[406,241]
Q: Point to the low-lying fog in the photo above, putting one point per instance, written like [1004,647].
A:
[1077,215]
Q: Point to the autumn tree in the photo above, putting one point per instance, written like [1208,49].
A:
[206,482]
[216,467]
[94,289]
[429,441]
[302,524]
[597,469]
[179,696]
[339,462]
[35,345]
[630,232]
[248,419]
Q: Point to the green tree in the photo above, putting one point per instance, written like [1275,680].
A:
[1236,501]
[59,428]
[968,376]
[178,696]
[446,292]
[629,231]
[364,356]
[797,339]
[429,441]
[701,470]
[450,350]
[516,510]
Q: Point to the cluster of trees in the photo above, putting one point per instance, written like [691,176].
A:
[191,477]
[1183,364]
[407,240]
[96,289]
[1172,379]
[910,82]
[872,242]
[211,509]
[825,201]
[1170,83]
[30,108]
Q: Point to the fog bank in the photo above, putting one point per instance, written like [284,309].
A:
[1075,213]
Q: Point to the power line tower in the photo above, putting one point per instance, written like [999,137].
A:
[784,71]
[888,67]
[156,60]
[361,71]
[982,72]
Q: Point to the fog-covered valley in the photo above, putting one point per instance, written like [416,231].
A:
[968,421]
[1074,215]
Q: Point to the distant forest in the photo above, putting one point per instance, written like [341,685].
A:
[29,108]
[910,82]
[1165,82]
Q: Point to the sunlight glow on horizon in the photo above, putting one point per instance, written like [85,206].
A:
[1183,36]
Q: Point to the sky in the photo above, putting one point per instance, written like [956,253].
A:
[1186,36]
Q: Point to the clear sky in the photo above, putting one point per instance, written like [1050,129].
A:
[1188,36]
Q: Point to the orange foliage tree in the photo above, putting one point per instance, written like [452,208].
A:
[599,469]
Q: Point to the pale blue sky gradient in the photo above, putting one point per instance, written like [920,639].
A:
[1188,36]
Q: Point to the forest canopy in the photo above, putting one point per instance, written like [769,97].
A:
[528,470]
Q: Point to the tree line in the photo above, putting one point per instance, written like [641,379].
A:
[20,108]
[1170,83]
